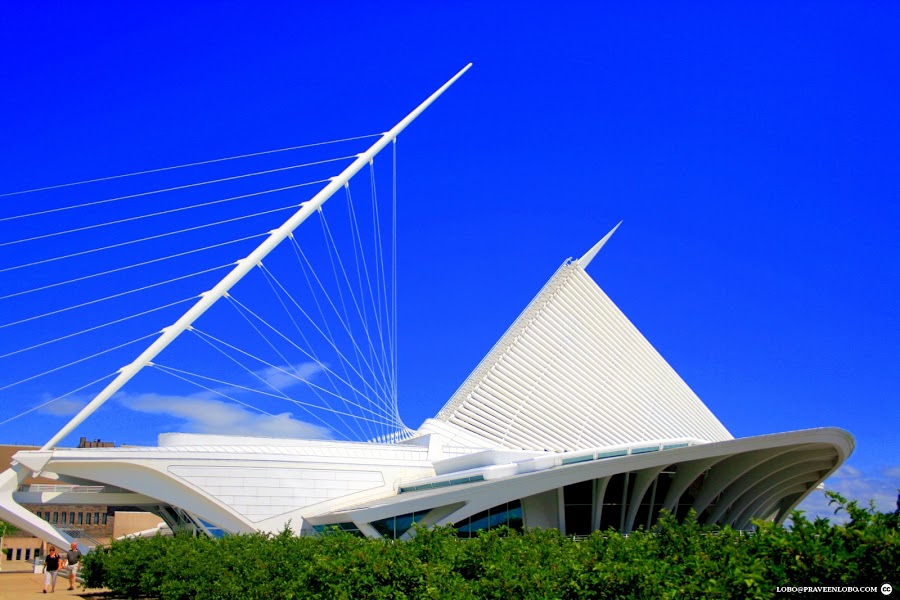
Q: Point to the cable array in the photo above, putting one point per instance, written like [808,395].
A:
[310,334]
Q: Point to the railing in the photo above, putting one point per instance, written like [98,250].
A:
[541,463]
[580,537]
[84,540]
[72,489]
[632,449]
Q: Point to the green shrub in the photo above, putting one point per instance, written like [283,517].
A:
[863,551]
[673,560]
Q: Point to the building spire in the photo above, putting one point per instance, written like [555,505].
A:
[590,254]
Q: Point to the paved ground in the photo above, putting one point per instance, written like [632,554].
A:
[24,585]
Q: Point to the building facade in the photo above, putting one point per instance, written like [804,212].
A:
[61,505]
[573,420]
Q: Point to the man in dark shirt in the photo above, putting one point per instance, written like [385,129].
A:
[73,557]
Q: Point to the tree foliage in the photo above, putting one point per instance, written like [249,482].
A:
[7,529]
[673,560]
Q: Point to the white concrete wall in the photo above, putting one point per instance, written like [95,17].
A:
[541,510]
[260,493]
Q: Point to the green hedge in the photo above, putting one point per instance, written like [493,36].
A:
[671,561]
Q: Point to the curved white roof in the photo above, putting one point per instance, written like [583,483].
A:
[572,372]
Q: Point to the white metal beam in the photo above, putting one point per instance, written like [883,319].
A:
[244,266]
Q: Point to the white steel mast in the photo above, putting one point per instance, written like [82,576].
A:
[244,266]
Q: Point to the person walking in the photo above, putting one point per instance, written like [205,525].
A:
[73,559]
[51,569]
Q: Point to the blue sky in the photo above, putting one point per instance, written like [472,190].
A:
[751,151]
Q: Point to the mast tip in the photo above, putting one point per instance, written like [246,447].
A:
[590,254]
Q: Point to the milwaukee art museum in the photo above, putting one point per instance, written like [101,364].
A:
[571,421]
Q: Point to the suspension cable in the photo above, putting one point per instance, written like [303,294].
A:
[88,330]
[131,266]
[110,297]
[235,304]
[148,171]
[149,238]
[268,364]
[169,211]
[43,404]
[80,360]
[288,340]
[272,282]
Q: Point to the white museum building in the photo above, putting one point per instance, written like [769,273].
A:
[571,421]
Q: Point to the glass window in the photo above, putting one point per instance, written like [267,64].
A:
[509,515]
[477,522]
[104,518]
[394,527]
[498,516]
[81,518]
[64,515]
[348,527]
[213,530]
[611,513]
[579,507]
[56,517]
[514,518]
[72,518]
[96,518]
[402,524]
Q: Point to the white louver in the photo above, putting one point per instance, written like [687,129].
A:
[572,372]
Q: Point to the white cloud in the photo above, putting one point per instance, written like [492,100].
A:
[855,484]
[892,472]
[290,375]
[848,472]
[64,407]
[202,414]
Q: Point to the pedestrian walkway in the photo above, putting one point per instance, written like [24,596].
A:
[25,585]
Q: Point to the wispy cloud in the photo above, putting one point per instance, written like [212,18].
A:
[203,414]
[880,485]
[287,376]
[64,407]
[893,472]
